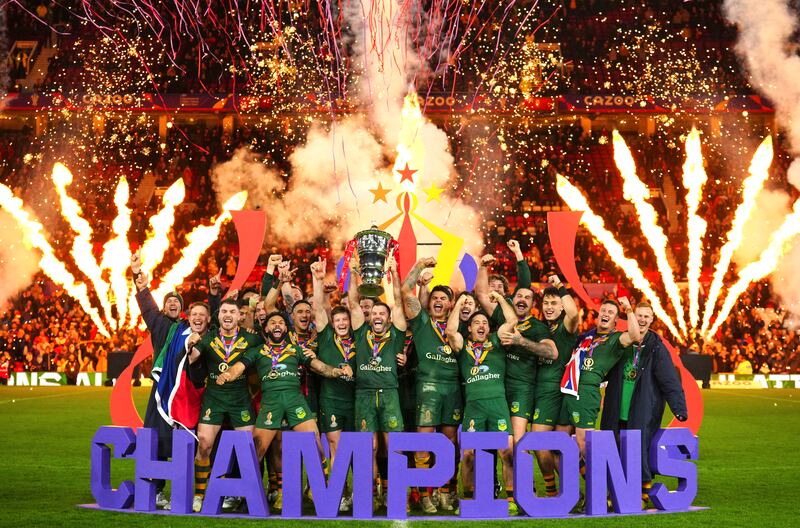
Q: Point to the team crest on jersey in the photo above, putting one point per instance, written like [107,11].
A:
[300,412]
[576,417]
[269,419]
[207,416]
[502,425]
[393,421]
[457,414]
[333,421]
[245,416]
[515,406]
[471,428]
[536,414]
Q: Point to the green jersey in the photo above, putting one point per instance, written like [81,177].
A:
[599,353]
[550,371]
[376,358]
[437,363]
[278,366]
[220,353]
[521,364]
[483,369]
[337,352]
[632,357]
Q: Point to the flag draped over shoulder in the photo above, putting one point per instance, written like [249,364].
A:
[572,371]
[177,399]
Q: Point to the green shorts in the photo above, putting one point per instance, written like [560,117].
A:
[438,404]
[487,415]
[335,415]
[581,413]
[282,405]
[548,404]
[313,385]
[378,410]
[236,406]
[519,398]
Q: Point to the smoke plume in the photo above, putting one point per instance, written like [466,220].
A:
[18,263]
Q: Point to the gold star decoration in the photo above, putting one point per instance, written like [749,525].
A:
[434,193]
[380,193]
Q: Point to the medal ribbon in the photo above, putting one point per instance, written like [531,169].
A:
[276,356]
[440,327]
[482,352]
[376,345]
[345,347]
[228,347]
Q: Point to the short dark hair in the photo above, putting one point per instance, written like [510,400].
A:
[381,303]
[229,300]
[612,302]
[373,300]
[298,303]
[339,309]
[467,294]
[476,314]
[551,291]
[277,314]
[444,289]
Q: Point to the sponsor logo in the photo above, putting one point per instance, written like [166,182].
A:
[333,421]
[440,358]
[483,377]
[207,415]
[269,418]
[363,425]
[375,368]
[471,428]
[502,425]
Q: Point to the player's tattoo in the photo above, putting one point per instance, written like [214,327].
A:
[541,349]
[323,369]
[412,304]
[413,276]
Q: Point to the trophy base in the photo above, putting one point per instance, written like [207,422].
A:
[370,290]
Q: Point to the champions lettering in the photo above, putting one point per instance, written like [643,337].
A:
[611,471]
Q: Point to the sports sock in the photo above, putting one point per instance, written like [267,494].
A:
[550,484]
[422,461]
[646,486]
[202,470]
[510,493]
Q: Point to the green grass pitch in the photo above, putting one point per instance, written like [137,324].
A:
[748,467]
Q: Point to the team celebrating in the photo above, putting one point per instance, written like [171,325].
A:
[424,359]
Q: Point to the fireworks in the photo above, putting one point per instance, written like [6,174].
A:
[694,178]
[117,290]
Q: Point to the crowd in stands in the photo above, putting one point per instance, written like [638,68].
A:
[43,329]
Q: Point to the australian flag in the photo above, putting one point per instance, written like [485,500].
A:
[177,398]
[572,371]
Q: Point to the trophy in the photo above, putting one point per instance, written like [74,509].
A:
[373,246]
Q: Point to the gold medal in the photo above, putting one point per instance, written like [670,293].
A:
[273,374]
[474,370]
[632,374]
[223,367]
[447,350]
[588,363]
[373,362]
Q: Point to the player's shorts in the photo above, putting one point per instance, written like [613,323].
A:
[581,413]
[378,410]
[312,398]
[282,405]
[438,404]
[336,415]
[547,406]
[519,398]
[236,406]
[487,415]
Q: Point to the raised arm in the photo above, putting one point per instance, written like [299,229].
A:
[286,276]
[454,337]
[523,270]
[318,281]
[633,334]
[482,284]
[423,294]
[268,279]
[570,308]
[398,312]
[356,315]
[508,312]
[144,298]
[411,304]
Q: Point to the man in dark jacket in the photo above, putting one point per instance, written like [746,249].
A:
[638,387]
[165,325]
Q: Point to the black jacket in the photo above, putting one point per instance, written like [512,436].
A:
[657,381]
